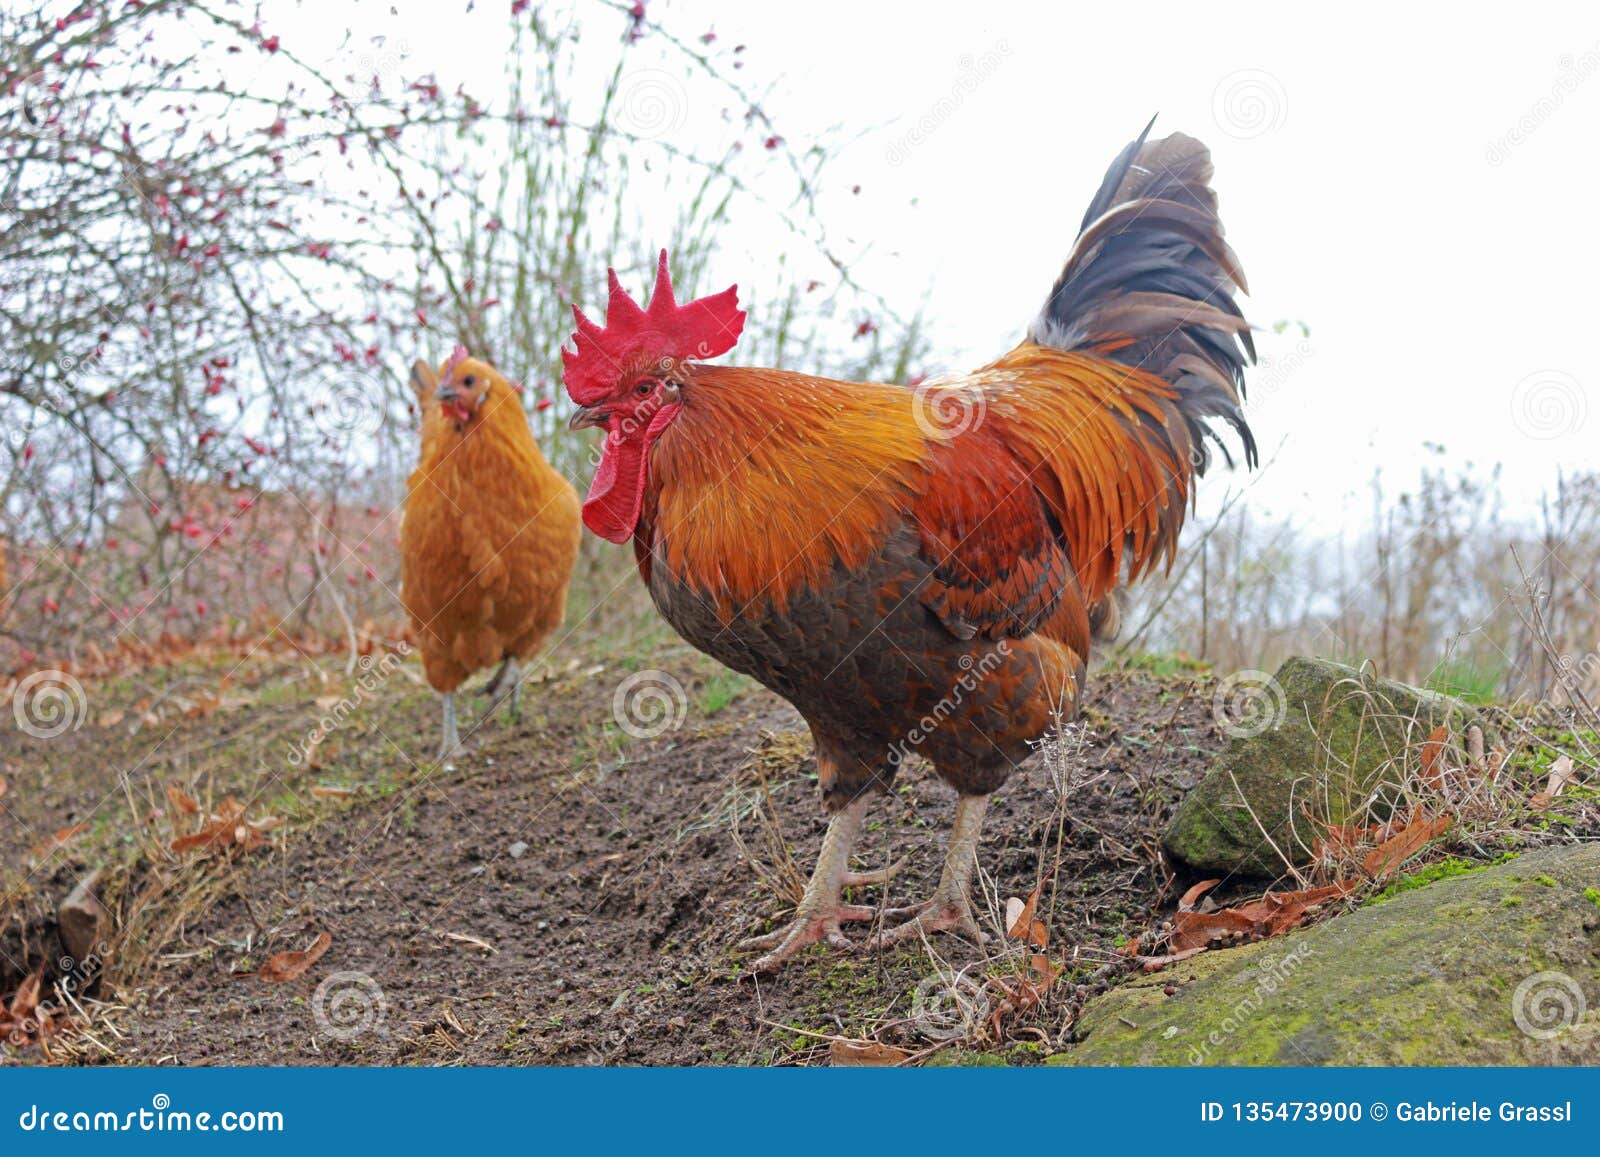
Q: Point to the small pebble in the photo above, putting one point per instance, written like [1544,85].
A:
[518,850]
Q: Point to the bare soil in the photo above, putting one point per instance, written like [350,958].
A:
[565,894]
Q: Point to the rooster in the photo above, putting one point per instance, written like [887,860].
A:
[917,570]
[489,537]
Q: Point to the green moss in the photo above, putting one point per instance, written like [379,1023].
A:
[1428,874]
[1313,997]
[1545,881]
[1592,895]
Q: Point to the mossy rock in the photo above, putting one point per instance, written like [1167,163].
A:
[1448,974]
[1318,737]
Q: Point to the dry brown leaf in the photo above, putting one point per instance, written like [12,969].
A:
[863,1054]
[228,828]
[1272,915]
[59,840]
[1562,773]
[1044,968]
[1432,750]
[326,702]
[4,787]
[181,802]
[1405,843]
[282,966]
[471,942]
[1192,896]
[110,718]
[327,791]
[1020,922]
[1199,929]
[26,999]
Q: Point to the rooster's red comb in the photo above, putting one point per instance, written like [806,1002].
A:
[634,338]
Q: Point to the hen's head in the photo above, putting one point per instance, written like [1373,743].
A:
[465,391]
[632,377]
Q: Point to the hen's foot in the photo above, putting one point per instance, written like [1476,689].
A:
[806,929]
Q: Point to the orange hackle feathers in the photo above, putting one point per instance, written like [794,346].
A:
[822,466]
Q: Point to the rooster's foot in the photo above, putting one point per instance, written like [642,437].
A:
[876,876]
[941,914]
[807,928]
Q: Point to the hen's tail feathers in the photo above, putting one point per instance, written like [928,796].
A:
[1150,284]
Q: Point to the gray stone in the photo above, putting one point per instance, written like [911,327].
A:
[1499,966]
[1317,737]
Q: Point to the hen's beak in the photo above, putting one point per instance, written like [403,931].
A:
[446,391]
[587,417]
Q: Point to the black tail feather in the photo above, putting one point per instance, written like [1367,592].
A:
[1151,281]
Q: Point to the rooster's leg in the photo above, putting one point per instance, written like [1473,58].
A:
[950,910]
[451,746]
[820,911]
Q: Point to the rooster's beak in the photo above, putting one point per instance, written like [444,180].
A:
[586,417]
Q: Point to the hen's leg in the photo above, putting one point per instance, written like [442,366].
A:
[451,746]
[950,910]
[820,912]
[513,673]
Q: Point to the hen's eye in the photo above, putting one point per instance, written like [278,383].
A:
[644,388]
[467,381]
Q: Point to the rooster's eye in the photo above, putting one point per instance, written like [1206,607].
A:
[643,388]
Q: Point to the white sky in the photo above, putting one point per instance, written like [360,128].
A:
[1353,157]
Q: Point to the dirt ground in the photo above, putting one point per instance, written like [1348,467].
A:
[567,893]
